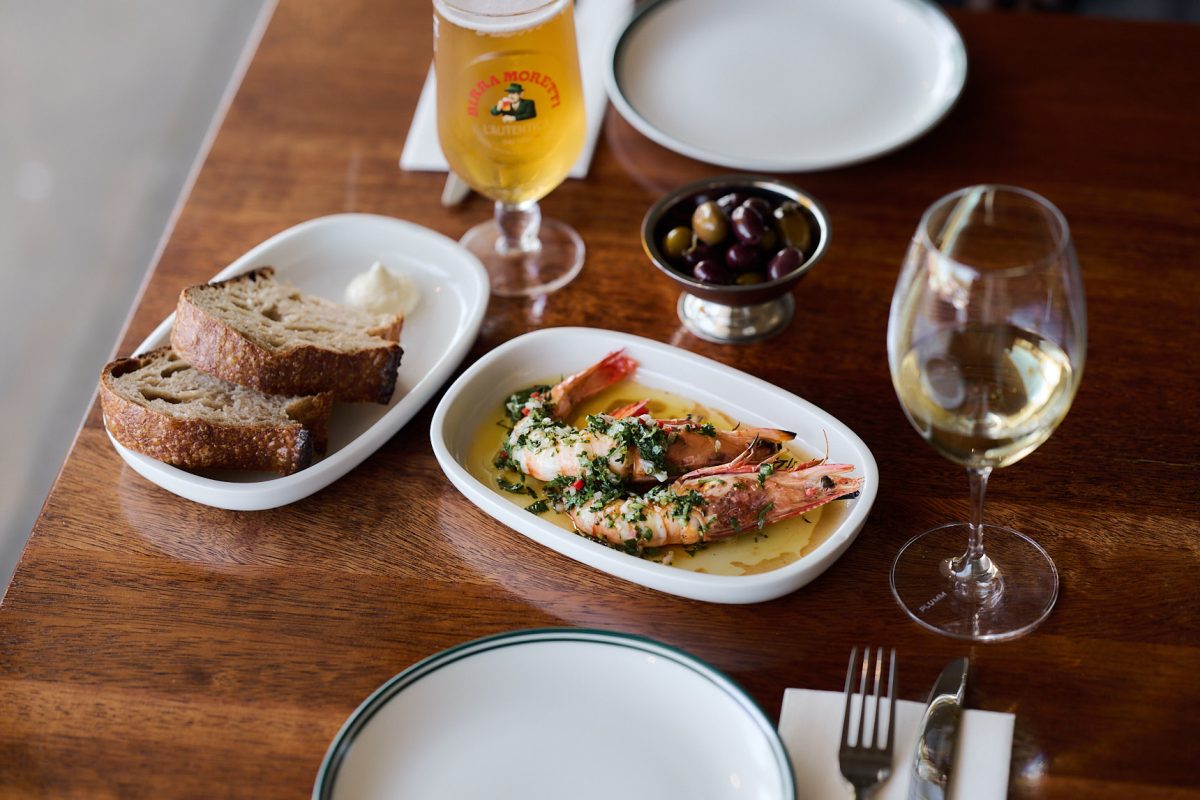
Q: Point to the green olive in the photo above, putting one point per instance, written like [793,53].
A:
[770,241]
[710,223]
[792,223]
[676,242]
[749,278]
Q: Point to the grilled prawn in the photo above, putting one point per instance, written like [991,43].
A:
[635,447]
[712,503]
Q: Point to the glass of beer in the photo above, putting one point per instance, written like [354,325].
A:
[986,343]
[511,123]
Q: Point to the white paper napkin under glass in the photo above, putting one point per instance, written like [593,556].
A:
[810,725]
[596,23]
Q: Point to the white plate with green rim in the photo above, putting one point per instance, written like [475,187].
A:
[552,714]
[786,85]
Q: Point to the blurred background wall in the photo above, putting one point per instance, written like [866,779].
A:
[104,108]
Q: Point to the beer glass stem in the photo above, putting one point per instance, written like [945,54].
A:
[973,572]
[519,224]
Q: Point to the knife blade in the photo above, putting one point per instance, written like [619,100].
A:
[934,754]
[455,191]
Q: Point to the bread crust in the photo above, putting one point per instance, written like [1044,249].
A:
[197,443]
[218,349]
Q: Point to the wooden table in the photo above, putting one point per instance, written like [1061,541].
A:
[153,647]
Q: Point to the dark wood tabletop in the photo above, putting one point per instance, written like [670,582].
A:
[155,647]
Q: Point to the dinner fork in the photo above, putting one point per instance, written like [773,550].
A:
[868,762]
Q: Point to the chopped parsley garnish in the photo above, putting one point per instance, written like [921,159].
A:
[538,506]
[529,402]
[515,487]
[634,433]
[681,507]
[600,486]
[504,460]
[762,514]
[635,511]
[765,470]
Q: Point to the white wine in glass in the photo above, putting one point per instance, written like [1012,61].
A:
[511,123]
[986,344]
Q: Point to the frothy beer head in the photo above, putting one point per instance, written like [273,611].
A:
[498,16]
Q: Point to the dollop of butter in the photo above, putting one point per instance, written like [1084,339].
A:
[381,291]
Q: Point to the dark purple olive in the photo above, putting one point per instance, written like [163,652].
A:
[711,271]
[728,202]
[698,252]
[785,262]
[761,205]
[742,257]
[748,225]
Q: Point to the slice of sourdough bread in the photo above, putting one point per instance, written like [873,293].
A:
[255,331]
[159,405]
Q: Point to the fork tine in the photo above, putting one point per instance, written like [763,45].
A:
[877,723]
[891,734]
[862,704]
[849,695]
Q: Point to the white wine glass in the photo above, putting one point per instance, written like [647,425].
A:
[511,123]
[986,344]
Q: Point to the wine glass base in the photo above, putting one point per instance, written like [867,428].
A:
[1023,595]
[722,324]
[526,274]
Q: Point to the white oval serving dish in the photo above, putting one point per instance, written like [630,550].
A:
[320,257]
[532,358]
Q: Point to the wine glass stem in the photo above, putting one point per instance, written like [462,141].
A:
[519,224]
[973,573]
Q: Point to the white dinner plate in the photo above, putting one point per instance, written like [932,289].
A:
[786,85]
[554,714]
[320,257]
[532,358]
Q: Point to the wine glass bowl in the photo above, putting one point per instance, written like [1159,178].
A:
[986,346]
[732,313]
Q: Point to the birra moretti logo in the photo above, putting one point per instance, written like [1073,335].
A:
[513,105]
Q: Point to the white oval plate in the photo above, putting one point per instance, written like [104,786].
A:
[320,257]
[552,714]
[531,358]
[786,85]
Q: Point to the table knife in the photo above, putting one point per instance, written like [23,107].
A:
[934,755]
[455,191]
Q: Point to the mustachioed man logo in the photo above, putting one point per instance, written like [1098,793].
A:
[512,107]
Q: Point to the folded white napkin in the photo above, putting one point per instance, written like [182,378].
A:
[810,725]
[596,23]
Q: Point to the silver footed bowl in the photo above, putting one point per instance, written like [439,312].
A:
[732,313]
